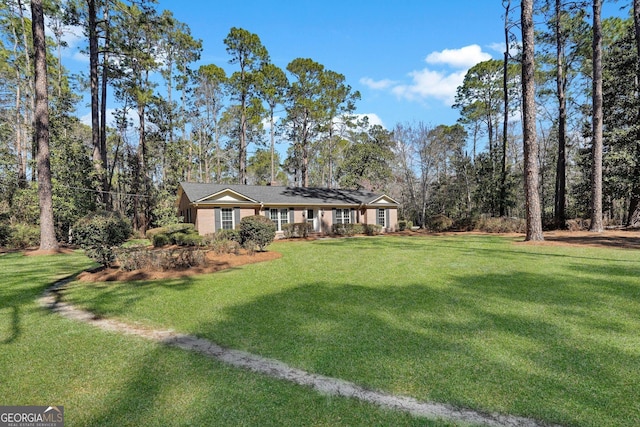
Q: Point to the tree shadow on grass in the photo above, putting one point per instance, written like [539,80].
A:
[485,342]
[23,281]
[117,298]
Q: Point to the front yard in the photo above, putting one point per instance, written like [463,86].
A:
[481,322]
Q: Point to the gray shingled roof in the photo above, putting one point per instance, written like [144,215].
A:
[282,195]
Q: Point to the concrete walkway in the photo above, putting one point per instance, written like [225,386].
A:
[52,300]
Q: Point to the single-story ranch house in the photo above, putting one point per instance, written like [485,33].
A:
[213,207]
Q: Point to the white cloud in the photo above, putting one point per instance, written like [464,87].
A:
[431,84]
[374,119]
[497,47]
[379,84]
[465,57]
[80,57]
[439,80]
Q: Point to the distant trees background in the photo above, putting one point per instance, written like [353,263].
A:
[176,119]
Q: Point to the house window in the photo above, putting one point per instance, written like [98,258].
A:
[226,218]
[343,216]
[279,217]
[382,217]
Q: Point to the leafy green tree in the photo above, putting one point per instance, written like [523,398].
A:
[633,217]
[272,86]
[209,102]
[100,233]
[480,100]
[480,97]
[261,171]
[563,50]
[339,102]
[367,160]
[305,112]
[597,121]
[179,49]
[248,53]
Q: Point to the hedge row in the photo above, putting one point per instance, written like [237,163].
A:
[353,229]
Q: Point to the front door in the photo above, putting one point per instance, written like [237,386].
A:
[312,218]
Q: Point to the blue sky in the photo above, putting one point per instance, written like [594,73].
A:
[405,56]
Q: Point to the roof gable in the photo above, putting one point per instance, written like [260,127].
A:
[276,195]
[383,200]
[226,196]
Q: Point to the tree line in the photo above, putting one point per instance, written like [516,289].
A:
[177,120]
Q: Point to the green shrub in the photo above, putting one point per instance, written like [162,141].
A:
[297,229]
[171,229]
[160,259]
[468,223]
[5,234]
[347,229]
[402,225]
[192,239]
[178,234]
[250,246]
[225,247]
[99,233]
[372,229]
[501,225]
[439,223]
[160,239]
[233,235]
[177,238]
[24,236]
[258,228]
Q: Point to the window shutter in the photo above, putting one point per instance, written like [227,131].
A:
[267,213]
[333,217]
[378,217]
[353,216]
[291,216]
[218,222]
[236,217]
[386,219]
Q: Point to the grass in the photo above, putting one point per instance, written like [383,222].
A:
[475,321]
[107,379]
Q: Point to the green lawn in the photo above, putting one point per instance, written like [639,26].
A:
[546,332]
[107,379]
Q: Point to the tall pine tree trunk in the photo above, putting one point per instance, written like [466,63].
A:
[634,205]
[532,196]
[596,171]
[106,183]
[93,79]
[560,196]
[505,123]
[47,231]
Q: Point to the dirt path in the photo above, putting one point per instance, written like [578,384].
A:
[52,300]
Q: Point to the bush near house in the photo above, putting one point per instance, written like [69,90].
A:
[160,259]
[258,229]
[233,235]
[297,229]
[353,229]
[177,234]
[99,234]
